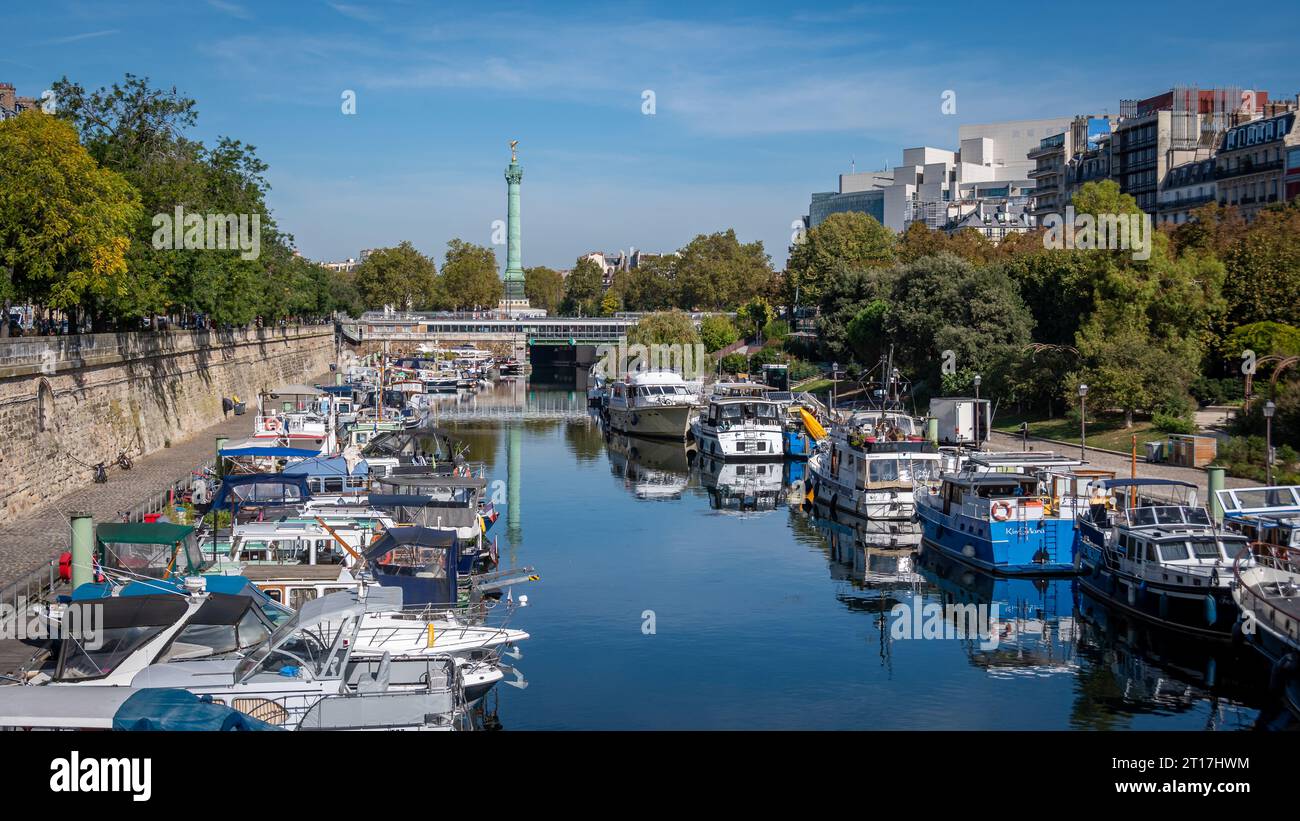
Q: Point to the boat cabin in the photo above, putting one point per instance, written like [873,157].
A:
[158,550]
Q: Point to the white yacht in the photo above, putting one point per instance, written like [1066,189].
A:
[653,403]
[867,465]
[741,422]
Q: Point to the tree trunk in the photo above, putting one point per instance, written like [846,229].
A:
[1128,417]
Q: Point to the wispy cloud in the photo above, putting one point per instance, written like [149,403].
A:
[356,12]
[74,38]
[233,9]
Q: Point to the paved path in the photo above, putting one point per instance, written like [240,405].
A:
[30,541]
[1122,465]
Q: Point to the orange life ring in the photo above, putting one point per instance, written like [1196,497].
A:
[273,424]
[1001,511]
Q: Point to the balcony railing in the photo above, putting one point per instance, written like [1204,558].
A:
[1244,168]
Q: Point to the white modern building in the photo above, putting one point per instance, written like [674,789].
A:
[988,174]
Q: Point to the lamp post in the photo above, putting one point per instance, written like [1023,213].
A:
[1269,408]
[1083,423]
[977,381]
[835,369]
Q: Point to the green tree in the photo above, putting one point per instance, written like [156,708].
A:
[610,304]
[65,222]
[849,241]
[847,293]
[866,334]
[469,276]
[651,286]
[754,315]
[717,332]
[583,289]
[401,277]
[946,303]
[717,272]
[544,288]
[664,328]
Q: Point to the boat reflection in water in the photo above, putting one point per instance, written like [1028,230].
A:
[744,487]
[1139,669]
[649,468]
[1032,629]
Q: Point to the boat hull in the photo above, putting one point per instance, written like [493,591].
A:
[1037,547]
[740,443]
[893,504]
[668,422]
[1174,607]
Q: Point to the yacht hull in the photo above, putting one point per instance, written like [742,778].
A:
[671,422]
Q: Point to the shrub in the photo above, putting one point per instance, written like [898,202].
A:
[1172,423]
[735,363]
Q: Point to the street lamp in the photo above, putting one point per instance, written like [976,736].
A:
[977,381]
[835,369]
[1269,408]
[1083,424]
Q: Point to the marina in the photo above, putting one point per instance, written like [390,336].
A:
[444,525]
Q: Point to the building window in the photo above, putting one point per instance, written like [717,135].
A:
[44,406]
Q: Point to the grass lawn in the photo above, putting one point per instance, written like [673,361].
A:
[1104,431]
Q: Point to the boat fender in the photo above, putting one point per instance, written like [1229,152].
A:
[1164,606]
[1211,609]
[1283,670]
[1238,632]
[1078,562]
[1132,595]
[636,419]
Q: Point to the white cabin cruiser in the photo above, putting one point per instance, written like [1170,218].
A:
[741,426]
[868,465]
[658,404]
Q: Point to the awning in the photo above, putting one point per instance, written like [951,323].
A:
[141,532]
[289,453]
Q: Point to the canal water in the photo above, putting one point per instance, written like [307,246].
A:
[678,594]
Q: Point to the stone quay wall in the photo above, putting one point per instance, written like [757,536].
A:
[69,402]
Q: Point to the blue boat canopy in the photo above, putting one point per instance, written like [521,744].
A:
[257,489]
[1113,483]
[166,708]
[325,466]
[290,453]
[396,537]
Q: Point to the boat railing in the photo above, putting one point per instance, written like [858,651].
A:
[1284,563]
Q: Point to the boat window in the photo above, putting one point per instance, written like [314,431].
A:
[82,662]
[1173,552]
[197,640]
[300,595]
[252,631]
[1151,553]
[730,412]
[1205,549]
[1142,516]
[1197,516]
[883,470]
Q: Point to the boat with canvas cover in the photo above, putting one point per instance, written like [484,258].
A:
[1147,548]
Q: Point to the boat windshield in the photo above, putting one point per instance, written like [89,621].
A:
[1191,549]
[1167,515]
[81,660]
[291,645]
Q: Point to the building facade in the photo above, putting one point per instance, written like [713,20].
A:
[11,105]
[1186,188]
[1253,163]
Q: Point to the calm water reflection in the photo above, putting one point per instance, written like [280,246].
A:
[678,593]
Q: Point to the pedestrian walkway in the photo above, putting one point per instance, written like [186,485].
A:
[1121,464]
[30,541]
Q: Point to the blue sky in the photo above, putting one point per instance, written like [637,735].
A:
[756,105]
